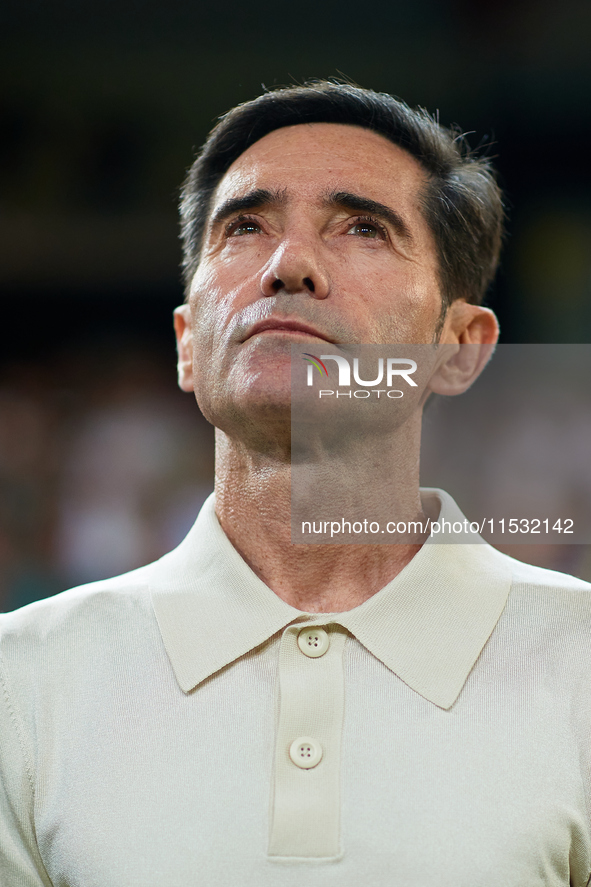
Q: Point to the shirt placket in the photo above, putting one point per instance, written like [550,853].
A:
[305,809]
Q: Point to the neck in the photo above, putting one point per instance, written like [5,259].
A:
[254,507]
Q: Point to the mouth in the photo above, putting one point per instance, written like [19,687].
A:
[280,326]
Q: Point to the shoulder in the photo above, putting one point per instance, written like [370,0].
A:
[539,578]
[550,608]
[77,621]
[541,588]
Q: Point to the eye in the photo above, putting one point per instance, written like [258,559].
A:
[368,228]
[242,226]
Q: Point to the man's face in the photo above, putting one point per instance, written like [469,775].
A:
[315,236]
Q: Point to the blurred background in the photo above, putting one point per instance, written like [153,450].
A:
[103,463]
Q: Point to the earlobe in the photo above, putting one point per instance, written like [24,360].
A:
[184,344]
[459,366]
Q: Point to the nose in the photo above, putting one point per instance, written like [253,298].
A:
[296,269]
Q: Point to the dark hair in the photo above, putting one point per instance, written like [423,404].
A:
[461,201]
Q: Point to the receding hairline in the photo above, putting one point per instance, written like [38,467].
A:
[310,124]
[274,133]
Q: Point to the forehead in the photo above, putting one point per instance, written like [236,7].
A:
[323,157]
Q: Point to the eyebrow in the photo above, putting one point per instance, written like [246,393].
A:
[262,197]
[356,203]
[256,199]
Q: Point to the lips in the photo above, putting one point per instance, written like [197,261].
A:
[277,324]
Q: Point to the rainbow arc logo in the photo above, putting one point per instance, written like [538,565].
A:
[314,362]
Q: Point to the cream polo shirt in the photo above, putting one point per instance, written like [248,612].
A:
[181,726]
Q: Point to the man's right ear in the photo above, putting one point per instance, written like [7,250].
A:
[184,346]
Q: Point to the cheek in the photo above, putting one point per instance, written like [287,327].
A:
[419,320]
[210,311]
[207,323]
[213,310]
[218,293]
[396,303]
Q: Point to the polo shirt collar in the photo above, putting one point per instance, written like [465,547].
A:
[428,625]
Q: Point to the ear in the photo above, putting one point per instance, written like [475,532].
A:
[469,336]
[184,346]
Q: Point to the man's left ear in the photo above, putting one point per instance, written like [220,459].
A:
[469,336]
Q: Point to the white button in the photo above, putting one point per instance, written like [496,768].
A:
[305,752]
[313,642]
